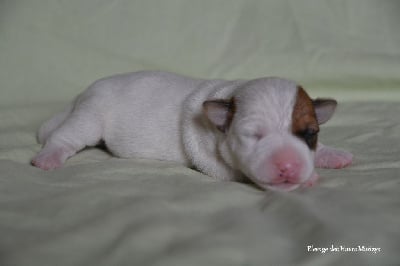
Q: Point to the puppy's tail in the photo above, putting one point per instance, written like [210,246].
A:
[52,124]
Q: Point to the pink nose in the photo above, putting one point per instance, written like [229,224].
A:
[288,170]
[287,164]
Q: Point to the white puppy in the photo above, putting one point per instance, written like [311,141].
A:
[264,130]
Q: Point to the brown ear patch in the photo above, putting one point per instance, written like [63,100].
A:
[304,120]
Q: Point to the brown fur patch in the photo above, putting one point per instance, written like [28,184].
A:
[304,120]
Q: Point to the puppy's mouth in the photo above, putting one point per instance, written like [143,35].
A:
[284,186]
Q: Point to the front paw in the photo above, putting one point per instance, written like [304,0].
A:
[327,157]
[311,181]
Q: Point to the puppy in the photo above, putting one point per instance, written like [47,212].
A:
[264,130]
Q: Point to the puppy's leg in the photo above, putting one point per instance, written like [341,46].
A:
[80,129]
[327,157]
[49,126]
[312,181]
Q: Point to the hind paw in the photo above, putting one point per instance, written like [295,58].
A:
[50,159]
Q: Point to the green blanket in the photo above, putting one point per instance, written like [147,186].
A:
[100,210]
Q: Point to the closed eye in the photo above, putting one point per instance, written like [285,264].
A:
[310,132]
[310,137]
[256,135]
[253,131]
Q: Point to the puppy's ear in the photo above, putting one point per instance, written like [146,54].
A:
[220,113]
[324,109]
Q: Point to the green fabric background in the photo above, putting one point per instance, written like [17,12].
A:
[100,210]
[51,50]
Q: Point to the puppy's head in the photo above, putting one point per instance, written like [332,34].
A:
[269,130]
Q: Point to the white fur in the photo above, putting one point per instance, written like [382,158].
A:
[159,115]
[264,106]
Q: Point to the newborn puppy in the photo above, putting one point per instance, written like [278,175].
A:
[265,130]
